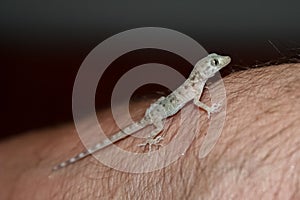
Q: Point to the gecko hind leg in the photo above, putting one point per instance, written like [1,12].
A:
[152,139]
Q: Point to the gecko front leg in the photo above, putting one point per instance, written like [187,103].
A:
[213,109]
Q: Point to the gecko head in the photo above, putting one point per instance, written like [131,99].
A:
[211,64]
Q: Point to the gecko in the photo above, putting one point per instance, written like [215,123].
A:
[164,107]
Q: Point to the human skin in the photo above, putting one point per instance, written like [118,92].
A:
[256,157]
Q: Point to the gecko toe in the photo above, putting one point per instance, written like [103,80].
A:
[151,142]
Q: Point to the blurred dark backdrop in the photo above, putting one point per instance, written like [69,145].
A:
[42,45]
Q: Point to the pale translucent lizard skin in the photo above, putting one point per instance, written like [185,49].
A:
[167,106]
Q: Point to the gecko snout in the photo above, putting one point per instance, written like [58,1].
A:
[227,60]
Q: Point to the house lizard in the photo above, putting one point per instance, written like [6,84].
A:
[167,106]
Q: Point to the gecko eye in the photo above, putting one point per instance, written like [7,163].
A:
[215,62]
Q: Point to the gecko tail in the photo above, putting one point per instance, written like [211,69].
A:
[71,160]
[114,138]
[84,154]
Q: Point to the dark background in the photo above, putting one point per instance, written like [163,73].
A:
[43,43]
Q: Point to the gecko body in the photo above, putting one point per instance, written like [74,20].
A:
[167,106]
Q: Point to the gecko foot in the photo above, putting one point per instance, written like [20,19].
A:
[152,141]
[216,107]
